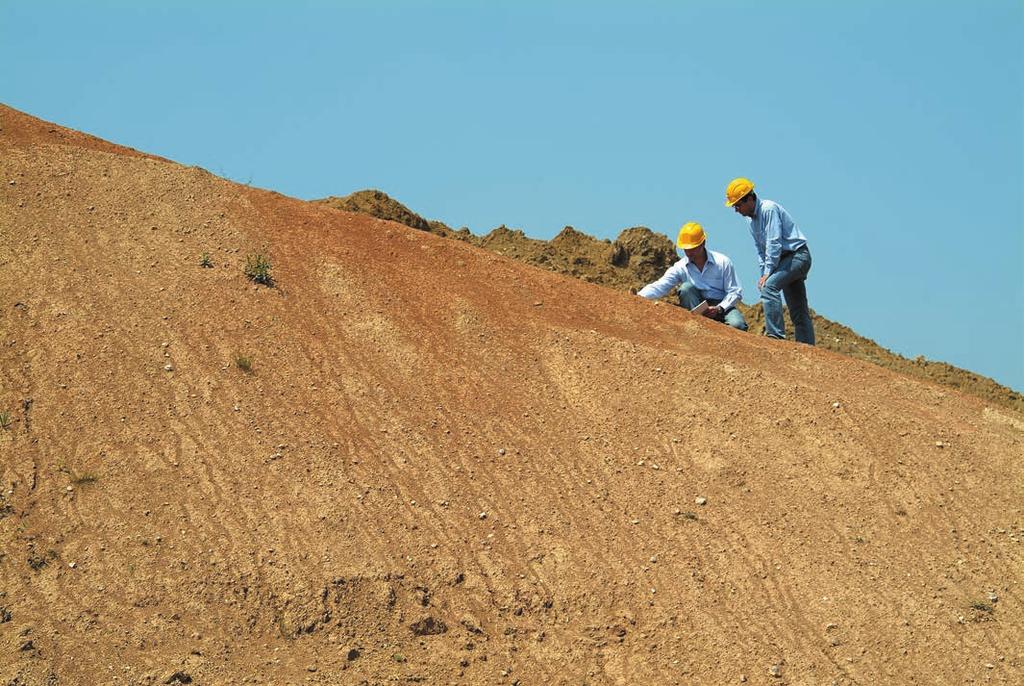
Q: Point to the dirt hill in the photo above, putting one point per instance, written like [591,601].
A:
[639,256]
[410,460]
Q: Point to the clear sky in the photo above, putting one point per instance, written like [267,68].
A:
[893,131]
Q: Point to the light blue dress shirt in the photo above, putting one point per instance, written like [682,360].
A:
[774,233]
[717,281]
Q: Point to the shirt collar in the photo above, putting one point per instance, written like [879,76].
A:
[711,257]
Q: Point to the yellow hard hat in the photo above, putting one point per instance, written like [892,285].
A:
[736,189]
[691,235]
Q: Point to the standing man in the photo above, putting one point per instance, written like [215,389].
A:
[701,275]
[783,257]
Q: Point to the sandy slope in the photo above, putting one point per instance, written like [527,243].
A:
[448,467]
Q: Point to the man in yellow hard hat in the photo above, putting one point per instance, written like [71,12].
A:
[783,257]
[701,275]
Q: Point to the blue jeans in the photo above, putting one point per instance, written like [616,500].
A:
[788,279]
[690,296]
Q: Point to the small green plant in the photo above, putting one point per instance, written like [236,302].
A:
[257,268]
[205,261]
[398,657]
[83,479]
[5,420]
[244,363]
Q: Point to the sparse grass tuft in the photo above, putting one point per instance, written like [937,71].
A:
[37,562]
[257,268]
[244,363]
[206,261]
[5,420]
[982,606]
[83,479]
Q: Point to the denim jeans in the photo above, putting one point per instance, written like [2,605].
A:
[788,279]
[690,296]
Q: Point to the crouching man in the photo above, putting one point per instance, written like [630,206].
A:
[701,275]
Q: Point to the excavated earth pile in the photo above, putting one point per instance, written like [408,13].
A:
[410,460]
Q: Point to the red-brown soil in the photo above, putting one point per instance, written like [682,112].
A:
[445,466]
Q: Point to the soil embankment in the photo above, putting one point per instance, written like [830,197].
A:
[411,460]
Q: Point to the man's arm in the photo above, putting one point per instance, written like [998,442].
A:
[758,246]
[731,286]
[772,240]
[663,286]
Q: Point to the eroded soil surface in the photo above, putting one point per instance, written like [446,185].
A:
[446,466]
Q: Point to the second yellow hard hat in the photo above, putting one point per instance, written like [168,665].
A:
[691,235]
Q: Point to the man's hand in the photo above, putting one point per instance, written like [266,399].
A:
[713,312]
[760,282]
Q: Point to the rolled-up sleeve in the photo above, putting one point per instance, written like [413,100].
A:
[673,276]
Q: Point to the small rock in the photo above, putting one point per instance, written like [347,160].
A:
[940,444]
[501,451]
[72,565]
[993,598]
[428,626]
[311,668]
[775,670]
[743,678]
[179,678]
[482,515]
[835,405]
[700,500]
[168,367]
[352,654]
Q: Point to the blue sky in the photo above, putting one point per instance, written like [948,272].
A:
[893,132]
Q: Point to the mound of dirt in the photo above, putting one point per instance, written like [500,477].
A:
[414,461]
[644,254]
[378,204]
